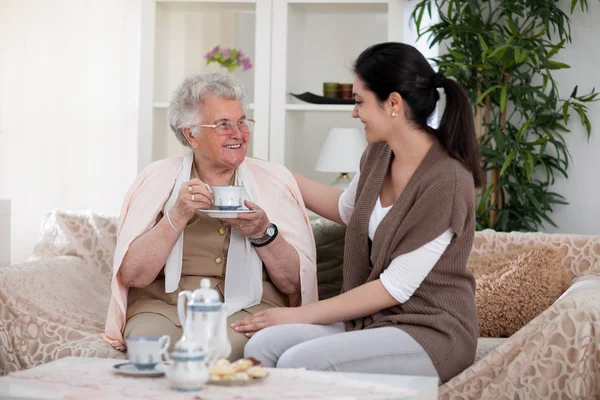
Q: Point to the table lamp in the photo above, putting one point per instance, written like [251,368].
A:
[341,153]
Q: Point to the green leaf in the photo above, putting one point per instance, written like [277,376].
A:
[574,92]
[488,91]
[496,52]
[573,5]
[590,98]
[420,17]
[450,8]
[503,99]
[512,27]
[538,35]
[484,46]
[530,166]
[555,49]
[557,65]
[534,201]
[507,162]
[523,129]
[565,110]
[517,57]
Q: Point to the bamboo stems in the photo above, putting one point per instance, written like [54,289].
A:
[496,195]
[478,122]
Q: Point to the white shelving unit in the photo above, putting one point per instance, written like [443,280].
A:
[317,41]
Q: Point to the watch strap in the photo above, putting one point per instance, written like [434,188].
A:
[266,239]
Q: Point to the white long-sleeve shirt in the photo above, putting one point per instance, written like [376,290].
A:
[407,271]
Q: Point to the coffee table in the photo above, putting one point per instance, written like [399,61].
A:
[41,383]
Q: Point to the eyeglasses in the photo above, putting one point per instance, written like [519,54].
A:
[228,127]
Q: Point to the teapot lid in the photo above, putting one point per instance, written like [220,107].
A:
[205,298]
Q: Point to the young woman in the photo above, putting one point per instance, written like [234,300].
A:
[407,302]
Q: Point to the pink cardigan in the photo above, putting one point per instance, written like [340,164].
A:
[277,193]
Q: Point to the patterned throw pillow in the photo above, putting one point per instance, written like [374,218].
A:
[516,286]
[89,236]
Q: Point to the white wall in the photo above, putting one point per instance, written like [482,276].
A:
[69,78]
[582,188]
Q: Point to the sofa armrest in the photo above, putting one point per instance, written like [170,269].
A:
[47,307]
[580,254]
[556,353]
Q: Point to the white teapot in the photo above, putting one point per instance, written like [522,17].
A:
[205,322]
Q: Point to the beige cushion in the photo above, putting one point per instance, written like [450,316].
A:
[514,287]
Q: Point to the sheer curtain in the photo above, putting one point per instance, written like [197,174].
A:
[69,84]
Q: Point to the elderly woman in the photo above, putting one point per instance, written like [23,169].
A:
[256,261]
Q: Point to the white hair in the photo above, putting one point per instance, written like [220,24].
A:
[185,107]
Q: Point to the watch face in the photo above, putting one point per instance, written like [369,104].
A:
[270,231]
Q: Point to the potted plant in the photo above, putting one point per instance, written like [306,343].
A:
[503,53]
[229,58]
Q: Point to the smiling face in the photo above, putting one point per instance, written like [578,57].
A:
[217,149]
[374,114]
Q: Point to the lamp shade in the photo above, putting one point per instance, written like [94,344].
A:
[341,151]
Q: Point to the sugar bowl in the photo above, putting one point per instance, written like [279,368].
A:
[188,370]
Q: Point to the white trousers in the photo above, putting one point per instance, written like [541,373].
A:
[330,348]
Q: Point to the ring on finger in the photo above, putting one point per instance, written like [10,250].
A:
[190,189]
[193,197]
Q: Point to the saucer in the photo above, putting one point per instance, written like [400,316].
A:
[129,369]
[214,213]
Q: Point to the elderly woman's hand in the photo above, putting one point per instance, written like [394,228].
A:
[252,225]
[193,195]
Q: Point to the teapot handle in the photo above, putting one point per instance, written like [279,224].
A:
[182,301]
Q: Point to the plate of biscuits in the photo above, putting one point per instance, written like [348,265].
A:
[242,372]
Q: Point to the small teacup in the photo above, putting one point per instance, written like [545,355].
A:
[228,197]
[145,352]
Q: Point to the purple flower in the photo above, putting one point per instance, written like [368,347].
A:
[229,58]
[212,53]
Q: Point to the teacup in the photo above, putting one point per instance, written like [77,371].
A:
[145,352]
[228,197]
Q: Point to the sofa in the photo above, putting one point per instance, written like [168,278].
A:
[54,305]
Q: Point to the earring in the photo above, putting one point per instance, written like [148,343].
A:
[394,115]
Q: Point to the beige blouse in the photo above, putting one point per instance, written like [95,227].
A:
[205,248]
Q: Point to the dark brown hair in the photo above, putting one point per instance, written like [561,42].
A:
[397,67]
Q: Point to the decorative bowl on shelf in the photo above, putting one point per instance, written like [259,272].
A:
[315,99]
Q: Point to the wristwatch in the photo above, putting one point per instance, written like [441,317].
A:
[268,237]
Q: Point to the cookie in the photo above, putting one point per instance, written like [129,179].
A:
[256,372]
[240,376]
[222,362]
[242,365]
[223,370]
